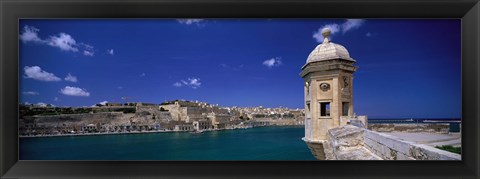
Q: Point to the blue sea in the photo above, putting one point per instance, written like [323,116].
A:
[261,143]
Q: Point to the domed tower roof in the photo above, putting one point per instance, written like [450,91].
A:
[328,50]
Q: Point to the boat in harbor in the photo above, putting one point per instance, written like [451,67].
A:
[196,132]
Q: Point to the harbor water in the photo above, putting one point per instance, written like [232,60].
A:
[261,143]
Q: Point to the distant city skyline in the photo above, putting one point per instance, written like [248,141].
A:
[407,68]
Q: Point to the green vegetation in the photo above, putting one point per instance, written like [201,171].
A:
[450,148]
[49,114]
[48,111]
[259,115]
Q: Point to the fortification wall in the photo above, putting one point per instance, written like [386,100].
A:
[392,148]
[347,143]
[353,143]
[154,113]
[442,128]
[76,119]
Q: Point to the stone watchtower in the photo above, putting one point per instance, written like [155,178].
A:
[328,76]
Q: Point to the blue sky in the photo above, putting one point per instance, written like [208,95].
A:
[407,68]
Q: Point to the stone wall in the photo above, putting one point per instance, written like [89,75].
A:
[349,142]
[76,119]
[153,112]
[317,149]
[442,128]
[359,121]
[176,112]
[392,148]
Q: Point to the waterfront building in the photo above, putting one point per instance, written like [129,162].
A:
[89,128]
[184,127]
[202,125]
[114,117]
[328,78]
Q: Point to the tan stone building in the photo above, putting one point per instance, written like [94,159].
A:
[328,77]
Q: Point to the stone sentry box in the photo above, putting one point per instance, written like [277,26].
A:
[328,77]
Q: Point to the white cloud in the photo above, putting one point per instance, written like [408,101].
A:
[55,99]
[194,82]
[41,104]
[35,72]
[334,28]
[88,53]
[190,82]
[30,34]
[143,75]
[74,91]
[71,78]
[349,24]
[198,22]
[177,84]
[30,93]
[368,34]
[110,51]
[87,46]
[64,42]
[103,103]
[352,24]
[120,87]
[273,62]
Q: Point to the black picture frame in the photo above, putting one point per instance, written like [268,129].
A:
[467,10]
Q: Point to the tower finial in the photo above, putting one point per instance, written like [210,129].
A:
[326,33]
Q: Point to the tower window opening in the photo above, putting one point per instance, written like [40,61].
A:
[345,107]
[324,109]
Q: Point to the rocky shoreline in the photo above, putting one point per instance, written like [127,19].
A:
[142,132]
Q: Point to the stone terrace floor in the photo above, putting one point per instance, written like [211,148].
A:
[431,139]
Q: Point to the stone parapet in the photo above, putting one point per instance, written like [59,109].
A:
[359,121]
[347,143]
[354,143]
[317,148]
[392,148]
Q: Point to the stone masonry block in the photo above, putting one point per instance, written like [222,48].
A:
[401,156]
[368,135]
[383,150]
[387,152]
[367,141]
[368,146]
[387,140]
[392,154]
[373,137]
[436,154]
[401,147]
[421,153]
[375,145]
